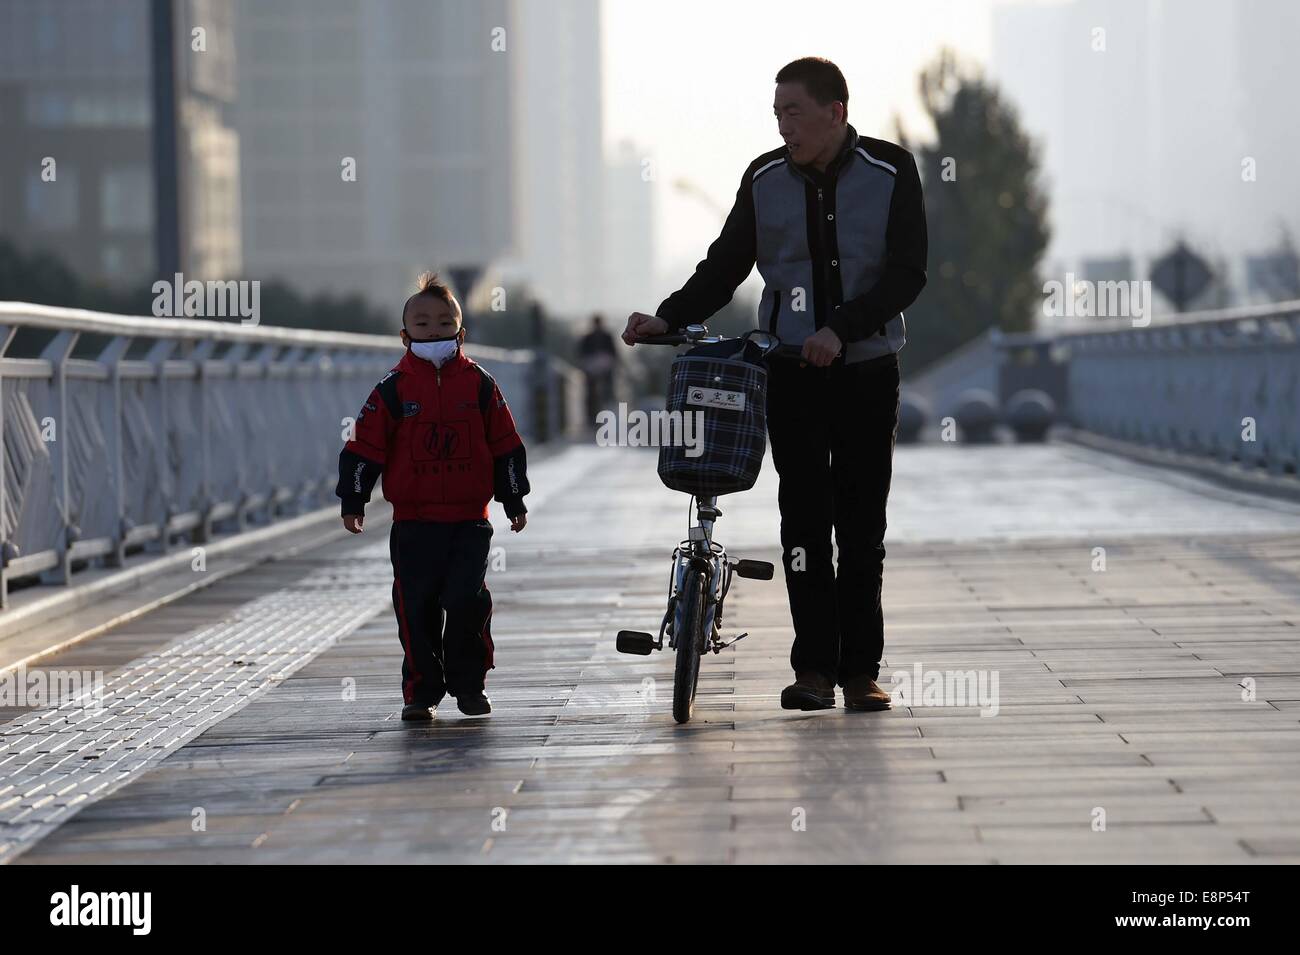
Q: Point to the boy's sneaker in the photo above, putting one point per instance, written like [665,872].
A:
[474,704]
[417,713]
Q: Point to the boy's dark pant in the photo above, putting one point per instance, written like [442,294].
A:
[832,432]
[438,571]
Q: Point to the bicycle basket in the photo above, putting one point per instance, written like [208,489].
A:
[717,423]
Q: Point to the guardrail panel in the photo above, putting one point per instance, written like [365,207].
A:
[1221,384]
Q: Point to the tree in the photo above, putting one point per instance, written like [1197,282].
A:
[985,211]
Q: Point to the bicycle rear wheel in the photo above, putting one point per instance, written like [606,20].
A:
[690,645]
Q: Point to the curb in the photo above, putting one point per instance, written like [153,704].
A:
[1234,476]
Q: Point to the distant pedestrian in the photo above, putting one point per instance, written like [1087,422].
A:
[598,358]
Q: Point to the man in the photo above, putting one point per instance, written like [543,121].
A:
[598,356]
[836,224]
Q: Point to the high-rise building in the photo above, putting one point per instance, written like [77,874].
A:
[559,170]
[630,261]
[474,130]
[376,141]
[208,143]
[78,117]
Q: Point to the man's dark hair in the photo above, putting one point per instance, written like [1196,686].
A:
[428,285]
[820,77]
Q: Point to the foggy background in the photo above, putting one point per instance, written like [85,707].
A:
[580,155]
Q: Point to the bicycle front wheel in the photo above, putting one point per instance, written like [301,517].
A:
[690,645]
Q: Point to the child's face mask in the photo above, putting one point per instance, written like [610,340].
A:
[435,350]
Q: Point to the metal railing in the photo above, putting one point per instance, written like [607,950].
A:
[189,426]
[1223,384]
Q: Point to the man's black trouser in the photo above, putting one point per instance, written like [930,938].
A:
[438,572]
[600,391]
[832,434]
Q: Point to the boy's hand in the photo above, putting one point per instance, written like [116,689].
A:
[353,522]
[517,523]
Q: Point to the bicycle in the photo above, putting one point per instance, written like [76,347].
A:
[701,573]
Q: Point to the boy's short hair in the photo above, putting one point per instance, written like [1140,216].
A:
[429,285]
[820,77]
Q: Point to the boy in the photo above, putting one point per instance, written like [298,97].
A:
[439,429]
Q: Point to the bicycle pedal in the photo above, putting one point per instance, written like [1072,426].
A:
[635,641]
[754,569]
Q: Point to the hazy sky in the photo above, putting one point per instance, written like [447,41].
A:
[690,81]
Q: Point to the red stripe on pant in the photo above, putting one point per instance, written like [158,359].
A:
[486,632]
[404,627]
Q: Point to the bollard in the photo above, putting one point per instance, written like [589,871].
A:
[1030,413]
[977,416]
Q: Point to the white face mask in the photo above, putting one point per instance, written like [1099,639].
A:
[435,352]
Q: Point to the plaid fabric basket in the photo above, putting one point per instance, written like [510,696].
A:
[719,450]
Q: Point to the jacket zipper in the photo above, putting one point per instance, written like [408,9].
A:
[826,268]
[776,310]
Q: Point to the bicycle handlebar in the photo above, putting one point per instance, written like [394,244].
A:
[662,340]
[790,352]
[787,351]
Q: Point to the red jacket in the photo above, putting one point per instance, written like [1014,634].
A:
[444,439]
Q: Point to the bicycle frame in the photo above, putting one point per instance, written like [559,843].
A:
[699,551]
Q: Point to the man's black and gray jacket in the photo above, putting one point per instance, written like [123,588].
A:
[844,248]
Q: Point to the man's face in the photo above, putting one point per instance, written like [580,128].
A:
[430,317]
[807,127]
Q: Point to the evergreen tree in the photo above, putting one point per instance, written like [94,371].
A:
[986,214]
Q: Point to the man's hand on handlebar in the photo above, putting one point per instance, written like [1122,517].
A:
[822,348]
[640,325]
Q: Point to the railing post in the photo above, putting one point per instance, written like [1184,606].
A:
[264,357]
[157,357]
[324,371]
[111,358]
[203,384]
[8,549]
[233,357]
[286,370]
[56,353]
[307,373]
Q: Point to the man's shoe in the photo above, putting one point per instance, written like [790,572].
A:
[809,691]
[474,704]
[864,693]
[417,713]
